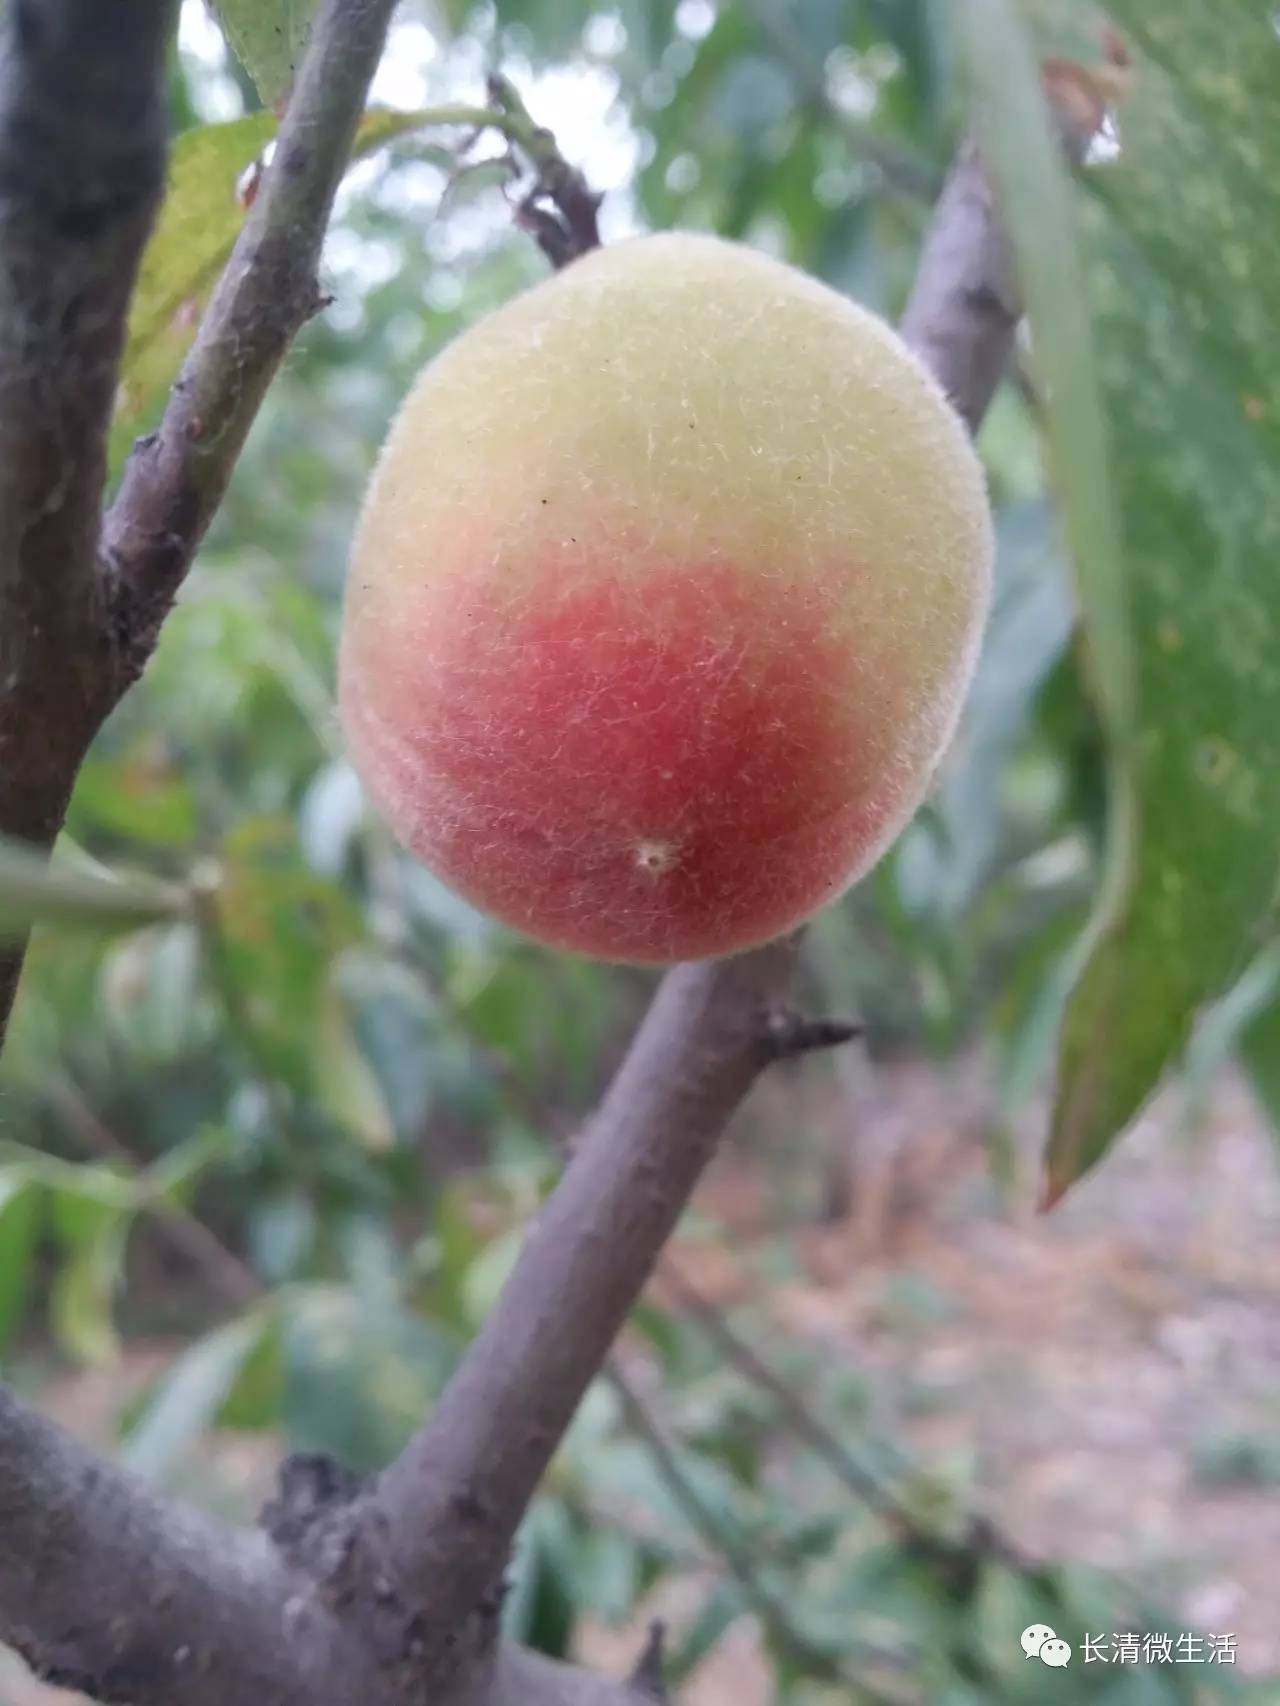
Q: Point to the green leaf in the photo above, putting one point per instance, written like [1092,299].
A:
[82,1302]
[1184,234]
[490,1272]
[268,37]
[282,1232]
[37,890]
[256,1397]
[346,1082]
[1031,179]
[151,989]
[358,1377]
[137,796]
[721,1608]
[191,244]
[1183,247]
[609,1573]
[194,235]
[1036,207]
[192,1394]
[545,1592]
[173,1176]
[21,1199]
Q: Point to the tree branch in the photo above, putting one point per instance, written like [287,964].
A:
[176,477]
[964,308]
[451,1504]
[962,316]
[82,147]
[719,1536]
[81,165]
[184,1232]
[110,1590]
[453,1501]
[100,1583]
[106,1588]
[952,1557]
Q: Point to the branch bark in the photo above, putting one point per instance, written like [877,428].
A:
[963,312]
[82,149]
[81,169]
[451,1504]
[106,1588]
[113,1591]
[177,476]
[104,1585]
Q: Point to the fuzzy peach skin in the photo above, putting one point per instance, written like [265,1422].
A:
[667,590]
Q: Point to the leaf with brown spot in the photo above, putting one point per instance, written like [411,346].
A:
[1181,239]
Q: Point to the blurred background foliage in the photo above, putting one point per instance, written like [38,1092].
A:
[306,1117]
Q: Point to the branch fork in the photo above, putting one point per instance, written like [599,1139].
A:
[384,1590]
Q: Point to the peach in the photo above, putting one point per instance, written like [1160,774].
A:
[666,593]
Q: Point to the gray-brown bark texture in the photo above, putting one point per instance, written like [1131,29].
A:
[82,129]
[385,1592]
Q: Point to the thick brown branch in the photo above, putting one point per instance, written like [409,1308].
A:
[454,1499]
[82,130]
[176,477]
[108,1589]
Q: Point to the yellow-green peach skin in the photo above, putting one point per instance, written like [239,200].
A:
[667,591]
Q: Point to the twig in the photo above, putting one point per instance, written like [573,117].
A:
[82,147]
[649,1672]
[951,1555]
[964,307]
[185,1232]
[806,1425]
[176,477]
[791,1035]
[106,1588]
[715,1533]
[560,208]
[727,1545]
[454,1499]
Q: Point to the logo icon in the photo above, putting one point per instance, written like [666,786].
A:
[1040,1642]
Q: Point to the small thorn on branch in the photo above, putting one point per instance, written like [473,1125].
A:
[319,302]
[788,1034]
[647,1677]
